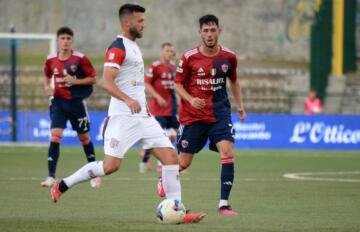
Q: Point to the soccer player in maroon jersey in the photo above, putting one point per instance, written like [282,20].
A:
[204,110]
[159,82]
[69,76]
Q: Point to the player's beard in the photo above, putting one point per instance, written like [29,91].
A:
[212,45]
[135,33]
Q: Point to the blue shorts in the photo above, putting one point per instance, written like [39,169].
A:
[168,122]
[74,110]
[192,138]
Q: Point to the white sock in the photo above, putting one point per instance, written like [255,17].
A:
[171,181]
[223,203]
[87,172]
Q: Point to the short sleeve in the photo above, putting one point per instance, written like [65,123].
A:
[114,57]
[87,67]
[182,70]
[233,73]
[47,69]
[149,76]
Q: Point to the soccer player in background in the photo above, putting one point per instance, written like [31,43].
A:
[69,76]
[204,110]
[128,121]
[159,83]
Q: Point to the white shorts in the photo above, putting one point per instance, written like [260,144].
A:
[170,132]
[123,131]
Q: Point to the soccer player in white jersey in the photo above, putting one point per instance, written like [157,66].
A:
[128,121]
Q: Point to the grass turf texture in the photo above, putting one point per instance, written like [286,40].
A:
[127,200]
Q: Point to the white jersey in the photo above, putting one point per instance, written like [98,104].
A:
[125,55]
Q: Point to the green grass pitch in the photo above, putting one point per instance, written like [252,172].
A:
[127,200]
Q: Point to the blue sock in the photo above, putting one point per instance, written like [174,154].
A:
[227,178]
[53,156]
[89,152]
[146,156]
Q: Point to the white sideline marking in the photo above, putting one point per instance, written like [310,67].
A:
[21,144]
[308,176]
[149,179]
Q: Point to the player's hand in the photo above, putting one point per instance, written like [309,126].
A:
[197,103]
[134,106]
[161,101]
[242,115]
[48,91]
[70,80]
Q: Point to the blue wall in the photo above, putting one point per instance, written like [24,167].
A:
[298,132]
[263,131]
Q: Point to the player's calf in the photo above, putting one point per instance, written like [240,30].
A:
[88,146]
[111,164]
[185,160]
[53,156]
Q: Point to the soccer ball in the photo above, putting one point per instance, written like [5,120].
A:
[170,212]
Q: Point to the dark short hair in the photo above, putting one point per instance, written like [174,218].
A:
[209,18]
[65,30]
[166,44]
[130,8]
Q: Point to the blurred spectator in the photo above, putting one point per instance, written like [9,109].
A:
[312,104]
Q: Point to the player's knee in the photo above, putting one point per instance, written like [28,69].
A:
[226,152]
[171,158]
[84,139]
[55,138]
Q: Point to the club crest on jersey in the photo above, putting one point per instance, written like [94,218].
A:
[73,68]
[56,71]
[224,68]
[179,70]
[213,71]
[163,75]
[111,56]
[150,72]
[184,143]
[200,72]
[180,63]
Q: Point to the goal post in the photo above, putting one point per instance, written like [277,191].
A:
[33,36]
[13,37]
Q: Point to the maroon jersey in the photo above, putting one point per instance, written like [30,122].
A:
[161,77]
[205,77]
[77,65]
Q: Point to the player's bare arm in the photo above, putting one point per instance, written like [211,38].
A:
[72,80]
[197,103]
[161,101]
[109,85]
[236,90]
